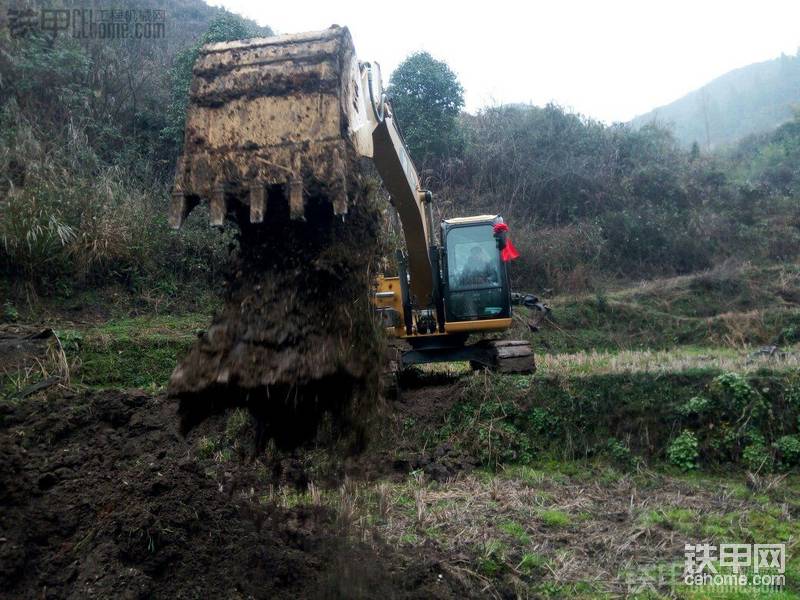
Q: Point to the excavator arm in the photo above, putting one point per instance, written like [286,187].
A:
[279,116]
[412,204]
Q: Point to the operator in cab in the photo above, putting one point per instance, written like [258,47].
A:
[479,269]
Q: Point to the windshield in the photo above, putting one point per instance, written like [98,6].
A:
[473,261]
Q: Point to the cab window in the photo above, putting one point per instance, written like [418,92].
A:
[475,275]
[473,261]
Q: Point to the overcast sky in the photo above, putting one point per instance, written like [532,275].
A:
[610,60]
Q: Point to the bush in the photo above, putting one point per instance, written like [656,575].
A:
[620,453]
[10,312]
[730,421]
[565,258]
[86,156]
[737,399]
[91,224]
[696,406]
[683,452]
[757,458]
[788,450]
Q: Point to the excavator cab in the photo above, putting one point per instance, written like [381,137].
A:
[475,279]
[474,297]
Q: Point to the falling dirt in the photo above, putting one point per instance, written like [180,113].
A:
[296,338]
[103,497]
[268,137]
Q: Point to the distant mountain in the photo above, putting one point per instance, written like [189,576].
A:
[752,99]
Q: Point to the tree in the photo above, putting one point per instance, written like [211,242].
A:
[694,153]
[427,98]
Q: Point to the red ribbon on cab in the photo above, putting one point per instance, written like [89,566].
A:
[509,252]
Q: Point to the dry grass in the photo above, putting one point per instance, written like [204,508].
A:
[39,365]
[524,526]
[746,359]
[680,359]
[733,305]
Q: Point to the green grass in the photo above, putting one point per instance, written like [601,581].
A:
[136,352]
[531,563]
[555,518]
[491,563]
[727,306]
[516,531]
[683,520]
[409,538]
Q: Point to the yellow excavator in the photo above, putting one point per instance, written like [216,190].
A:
[270,118]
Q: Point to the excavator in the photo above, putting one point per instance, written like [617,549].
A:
[271,118]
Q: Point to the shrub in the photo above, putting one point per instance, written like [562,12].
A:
[560,257]
[757,458]
[697,405]
[620,453]
[788,449]
[10,312]
[33,235]
[738,400]
[84,175]
[683,452]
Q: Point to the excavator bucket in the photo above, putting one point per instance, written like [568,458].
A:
[267,119]
[274,131]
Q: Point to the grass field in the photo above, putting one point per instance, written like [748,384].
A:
[655,419]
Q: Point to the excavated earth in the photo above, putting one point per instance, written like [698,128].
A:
[296,338]
[103,496]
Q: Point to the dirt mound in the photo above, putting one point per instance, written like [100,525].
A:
[296,337]
[103,497]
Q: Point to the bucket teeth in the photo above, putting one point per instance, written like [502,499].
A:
[340,203]
[258,202]
[218,206]
[271,113]
[297,209]
[178,209]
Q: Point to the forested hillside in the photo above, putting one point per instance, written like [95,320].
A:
[593,202]
[750,100]
[91,132]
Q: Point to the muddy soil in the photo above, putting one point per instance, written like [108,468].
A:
[102,496]
[296,338]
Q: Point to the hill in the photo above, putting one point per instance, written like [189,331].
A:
[753,99]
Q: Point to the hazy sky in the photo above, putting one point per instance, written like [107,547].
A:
[610,60]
